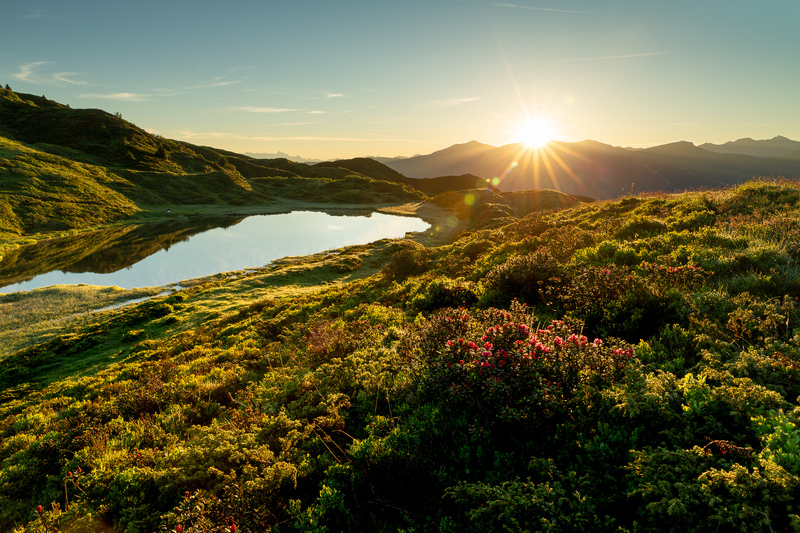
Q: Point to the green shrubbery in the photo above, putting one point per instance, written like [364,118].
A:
[626,366]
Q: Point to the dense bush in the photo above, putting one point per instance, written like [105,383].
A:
[410,260]
[525,277]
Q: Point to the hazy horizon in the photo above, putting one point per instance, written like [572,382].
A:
[323,80]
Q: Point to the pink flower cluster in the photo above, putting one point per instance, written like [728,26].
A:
[623,352]
[685,275]
[510,344]
[509,356]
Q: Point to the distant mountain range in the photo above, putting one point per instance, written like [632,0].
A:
[601,171]
[281,155]
[779,147]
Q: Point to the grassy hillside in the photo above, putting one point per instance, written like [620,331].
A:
[430,186]
[63,169]
[629,365]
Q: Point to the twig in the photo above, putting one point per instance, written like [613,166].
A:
[324,444]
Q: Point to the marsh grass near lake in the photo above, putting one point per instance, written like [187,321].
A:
[35,316]
[157,255]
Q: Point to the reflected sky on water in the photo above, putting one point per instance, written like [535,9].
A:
[252,243]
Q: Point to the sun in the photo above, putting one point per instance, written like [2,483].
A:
[534,132]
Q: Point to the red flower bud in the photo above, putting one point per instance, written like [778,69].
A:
[39,509]
[179,528]
[78,470]
[69,474]
[232,528]
[186,494]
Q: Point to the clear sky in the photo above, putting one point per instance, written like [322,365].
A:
[346,78]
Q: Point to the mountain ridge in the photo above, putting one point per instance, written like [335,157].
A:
[598,170]
[778,146]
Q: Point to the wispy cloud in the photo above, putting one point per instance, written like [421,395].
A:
[252,109]
[449,102]
[130,97]
[124,97]
[536,8]
[32,73]
[27,72]
[64,77]
[216,82]
[328,96]
[39,14]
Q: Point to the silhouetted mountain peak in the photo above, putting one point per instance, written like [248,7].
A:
[588,145]
[778,146]
[471,146]
[677,149]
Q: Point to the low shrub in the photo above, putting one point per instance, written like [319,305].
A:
[528,278]
[412,259]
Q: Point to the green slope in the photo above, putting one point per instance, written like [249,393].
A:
[63,169]
[41,192]
[429,186]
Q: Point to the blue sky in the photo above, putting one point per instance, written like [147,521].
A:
[328,79]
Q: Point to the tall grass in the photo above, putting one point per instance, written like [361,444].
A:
[31,317]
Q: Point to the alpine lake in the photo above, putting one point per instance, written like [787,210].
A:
[164,254]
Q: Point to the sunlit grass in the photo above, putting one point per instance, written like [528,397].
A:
[31,317]
[28,318]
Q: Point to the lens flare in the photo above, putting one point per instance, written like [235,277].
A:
[534,132]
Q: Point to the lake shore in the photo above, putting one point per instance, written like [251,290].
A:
[285,275]
[445,225]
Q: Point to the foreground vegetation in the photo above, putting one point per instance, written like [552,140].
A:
[631,365]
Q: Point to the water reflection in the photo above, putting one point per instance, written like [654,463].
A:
[161,254]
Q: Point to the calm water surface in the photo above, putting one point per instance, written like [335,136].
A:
[254,242]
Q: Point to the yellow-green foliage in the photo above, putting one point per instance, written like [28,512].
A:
[632,365]
[44,192]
